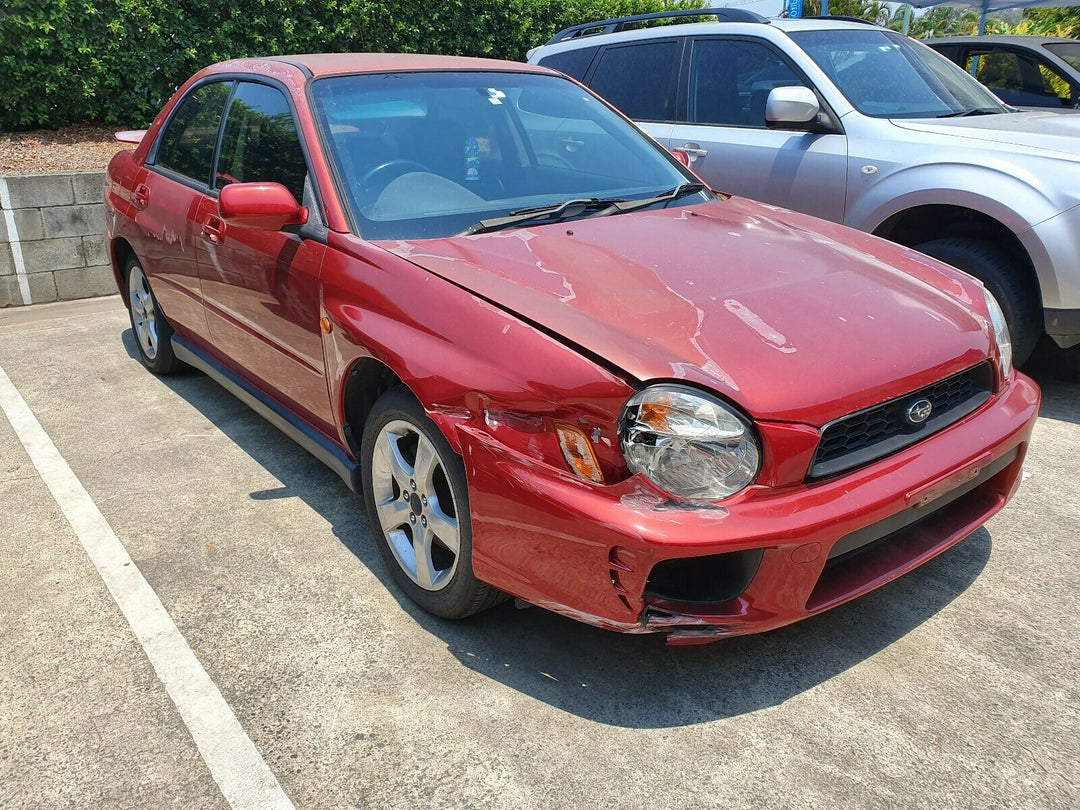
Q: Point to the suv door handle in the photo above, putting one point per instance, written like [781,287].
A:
[142,195]
[693,150]
[213,230]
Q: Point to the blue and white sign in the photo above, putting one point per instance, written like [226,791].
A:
[793,8]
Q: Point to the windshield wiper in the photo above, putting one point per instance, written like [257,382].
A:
[623,206]
[965,113]
[569,208]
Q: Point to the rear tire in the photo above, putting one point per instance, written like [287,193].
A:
[1008,283]
[418,505]
[151,329]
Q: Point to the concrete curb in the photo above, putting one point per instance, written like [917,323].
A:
[52,246]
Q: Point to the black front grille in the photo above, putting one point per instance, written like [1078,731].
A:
[862,437]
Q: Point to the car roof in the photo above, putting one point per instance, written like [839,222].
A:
[332,64]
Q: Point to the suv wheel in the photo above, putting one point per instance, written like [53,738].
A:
[1007,283]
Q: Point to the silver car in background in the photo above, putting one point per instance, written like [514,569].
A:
[860,125]
[1024,71]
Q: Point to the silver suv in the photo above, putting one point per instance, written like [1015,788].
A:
[857,124]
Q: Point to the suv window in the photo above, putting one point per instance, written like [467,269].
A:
[572,63]
[187,145]
[640,79]
[730,80]
[1020,78]
[261,142]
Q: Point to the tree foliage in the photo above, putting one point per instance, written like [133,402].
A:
[869,10]
[117,61]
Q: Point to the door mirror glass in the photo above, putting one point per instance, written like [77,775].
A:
[265,206]
[791,106]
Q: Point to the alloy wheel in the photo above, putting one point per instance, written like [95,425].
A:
[415,505]
[143,312]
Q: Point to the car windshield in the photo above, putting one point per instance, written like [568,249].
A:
[433,154]
[886,75]
[1069,51]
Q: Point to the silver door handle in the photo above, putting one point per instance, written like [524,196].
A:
[693,151]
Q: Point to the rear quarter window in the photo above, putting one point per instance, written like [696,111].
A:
[573,63]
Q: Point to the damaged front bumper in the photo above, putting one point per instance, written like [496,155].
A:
[593,552]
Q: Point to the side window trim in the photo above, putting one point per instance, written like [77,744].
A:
[684,80]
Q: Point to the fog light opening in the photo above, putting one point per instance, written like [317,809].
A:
[712,579]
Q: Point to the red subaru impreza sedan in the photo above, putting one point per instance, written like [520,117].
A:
[555,365]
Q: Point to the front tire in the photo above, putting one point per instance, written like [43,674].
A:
[418,506]
[1009,284]
[152,331]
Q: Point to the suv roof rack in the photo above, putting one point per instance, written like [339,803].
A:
[620,23]
[839,18]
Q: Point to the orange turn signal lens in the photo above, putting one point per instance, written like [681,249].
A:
[579,453]
[654,415]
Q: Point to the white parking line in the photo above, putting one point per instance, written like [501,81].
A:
[13,242]
[235,764]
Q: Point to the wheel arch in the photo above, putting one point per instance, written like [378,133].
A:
[919,224]
[365,381]
[120,250]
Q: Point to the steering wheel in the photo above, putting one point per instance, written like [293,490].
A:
[399,166]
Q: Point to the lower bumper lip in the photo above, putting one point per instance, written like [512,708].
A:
[587,552]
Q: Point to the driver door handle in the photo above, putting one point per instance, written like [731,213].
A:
[693,150]
[213,230]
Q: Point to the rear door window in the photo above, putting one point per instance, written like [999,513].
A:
[260,143]
[640,79]
[187,145]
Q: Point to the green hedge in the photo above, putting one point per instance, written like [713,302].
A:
[117,61]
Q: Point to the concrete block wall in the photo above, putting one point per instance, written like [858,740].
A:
[52,246]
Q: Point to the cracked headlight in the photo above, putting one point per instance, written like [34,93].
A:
[1001,333]
[688,443]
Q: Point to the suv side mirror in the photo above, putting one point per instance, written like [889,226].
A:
[265,206]
[791,107]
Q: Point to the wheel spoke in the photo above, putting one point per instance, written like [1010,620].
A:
[425,568]
[399,467]
[426,462]
[443,526]
[393,513]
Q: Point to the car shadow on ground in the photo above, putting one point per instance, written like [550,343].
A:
[619,680]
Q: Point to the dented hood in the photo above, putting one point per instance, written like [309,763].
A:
[793,318]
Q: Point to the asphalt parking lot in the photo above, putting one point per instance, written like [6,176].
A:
[955,686]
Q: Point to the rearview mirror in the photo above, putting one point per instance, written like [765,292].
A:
[791,106]
[265,206]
